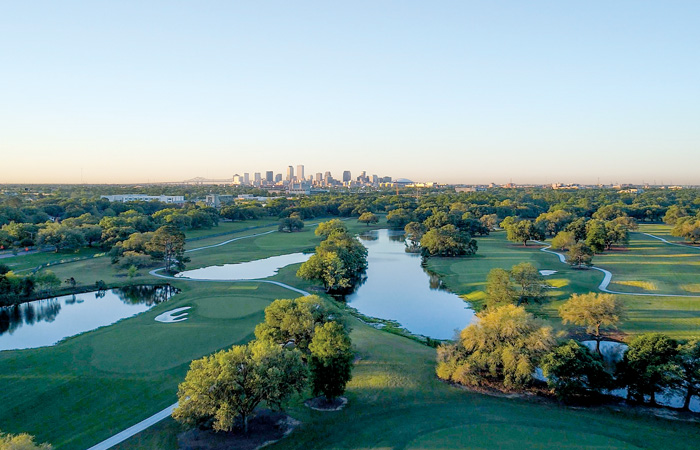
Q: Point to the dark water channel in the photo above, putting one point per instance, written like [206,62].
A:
[398,288]
[45,322]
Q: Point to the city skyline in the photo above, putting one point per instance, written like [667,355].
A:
[453,92]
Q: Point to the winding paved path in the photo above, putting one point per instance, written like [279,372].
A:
[671,243]
[157,417]
[603,286]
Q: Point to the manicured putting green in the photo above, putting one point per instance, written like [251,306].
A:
[505,436]
[231,306]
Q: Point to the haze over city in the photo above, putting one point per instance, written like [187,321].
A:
[455,92]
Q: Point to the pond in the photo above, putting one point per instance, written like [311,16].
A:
[45,322]
[252,270]
[612,354]
[398,288]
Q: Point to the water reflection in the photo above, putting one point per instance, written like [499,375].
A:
[45,322]
[251,270]
[398,288]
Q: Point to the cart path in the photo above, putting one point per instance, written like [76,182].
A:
[603,286]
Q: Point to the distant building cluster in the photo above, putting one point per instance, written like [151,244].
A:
[296,181]
[145,198]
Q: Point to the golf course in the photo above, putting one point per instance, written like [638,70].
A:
[94,385]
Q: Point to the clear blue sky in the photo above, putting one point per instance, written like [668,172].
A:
[533,91]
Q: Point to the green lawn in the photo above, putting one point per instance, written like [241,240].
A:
[96,384]
[646,266]
[27,262]
[396,402]
[231,227]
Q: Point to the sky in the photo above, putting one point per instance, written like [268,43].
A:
[453,92]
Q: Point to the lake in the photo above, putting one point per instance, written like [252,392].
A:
[46,322]
[398,288]
[252,270]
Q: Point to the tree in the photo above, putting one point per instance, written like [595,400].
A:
[22,441]
[414,233]
[229,385]
[499,289]
[46,281]
[523,231]
[132,271]
[489,221]
[399,218]
[447,241]
[327,267]
[529,279]
[294,321]
[563,240]
[368,218]
[593,311]
[579,256]
[331,360]
[168,244]
[505,345]
[689,374]
[573,371]
[325,229]
[674,213]
[596,235]
[290,224]
[649,366]
[687,228]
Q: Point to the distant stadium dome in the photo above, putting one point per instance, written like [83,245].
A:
[403,181]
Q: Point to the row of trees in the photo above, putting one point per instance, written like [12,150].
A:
[15,286]
[166,244]
[507,344]
[302,342]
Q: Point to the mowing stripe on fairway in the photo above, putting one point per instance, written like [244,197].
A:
[608,276]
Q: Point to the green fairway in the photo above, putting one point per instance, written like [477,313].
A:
[230,227]
[94,385]
[396,402]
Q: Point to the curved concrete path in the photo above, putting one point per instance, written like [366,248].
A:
[157,417]
[669,242]
[603,286]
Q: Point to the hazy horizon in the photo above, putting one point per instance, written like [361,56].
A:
[453,92]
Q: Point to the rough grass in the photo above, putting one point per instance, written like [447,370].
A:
[644,285]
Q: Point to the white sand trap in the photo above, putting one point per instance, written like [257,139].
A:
[174,315]
[546,273]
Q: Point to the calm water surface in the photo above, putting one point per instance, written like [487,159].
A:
[43,323]
[252,270]
[397,288]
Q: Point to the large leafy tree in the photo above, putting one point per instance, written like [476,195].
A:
[325,229]
[689,374]
[505,345]
[447,241]
[649,366]
[499,288]
[331,360]
[572,371]
[227,386]
[595,311]
[529,280]
[579,256]
[294,321]
[368,218]
[168,244]
[523,231]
